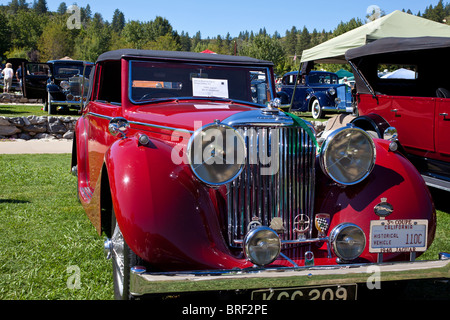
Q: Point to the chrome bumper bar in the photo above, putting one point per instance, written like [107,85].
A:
[142,282]
[67,103]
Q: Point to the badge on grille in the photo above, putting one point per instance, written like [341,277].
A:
[322,223]
[301,225]
[277,224]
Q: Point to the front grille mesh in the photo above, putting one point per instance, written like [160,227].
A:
[283,187]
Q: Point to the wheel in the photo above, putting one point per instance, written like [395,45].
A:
[51,108]
[316,110]
[123,258]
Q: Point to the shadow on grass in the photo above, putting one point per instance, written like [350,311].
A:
[13,201]
[440,198]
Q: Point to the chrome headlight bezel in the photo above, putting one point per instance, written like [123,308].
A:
[211,171]
[344,238]
[65,85]
[332,91]
[355,162]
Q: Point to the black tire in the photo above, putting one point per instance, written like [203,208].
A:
[123,258]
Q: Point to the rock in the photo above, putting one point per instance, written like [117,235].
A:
[8,130]
[4,122]
[44,136]
[24,136]
[17,121]
[56,127]
[35,128]
[68,135]
[37,119]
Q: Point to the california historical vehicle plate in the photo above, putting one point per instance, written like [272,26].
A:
[338,292]
[398,235]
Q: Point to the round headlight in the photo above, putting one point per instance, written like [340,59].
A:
[262,246]
[65,85]
[332,91]
[348,155]
[348,241]
[216,153]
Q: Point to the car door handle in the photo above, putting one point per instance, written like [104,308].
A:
[443,114]
[394,110]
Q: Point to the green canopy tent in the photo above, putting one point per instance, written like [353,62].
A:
[344,73]
[395,24]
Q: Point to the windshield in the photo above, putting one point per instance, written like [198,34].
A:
[68,70]
[161,80]
[323,78]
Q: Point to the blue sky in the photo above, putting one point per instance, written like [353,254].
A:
[214,17]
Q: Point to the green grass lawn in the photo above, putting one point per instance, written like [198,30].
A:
[47,239]
[16,110]
[49,249]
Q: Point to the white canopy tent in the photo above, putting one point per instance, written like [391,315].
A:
[395,24]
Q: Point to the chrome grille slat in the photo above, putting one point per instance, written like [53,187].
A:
[285,194]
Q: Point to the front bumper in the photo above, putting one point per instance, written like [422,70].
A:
[76,103]
[142,282]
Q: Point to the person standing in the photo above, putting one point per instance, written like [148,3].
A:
[8,75]
[19,78]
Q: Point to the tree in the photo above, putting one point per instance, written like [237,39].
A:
[133,34]
[265,48]
[437,13]
[304,41]
[118,21]
[40,6]
[291,41]
[26,28]
[185,41]
[62,8]
[55,41]
[165,42]
[5,35]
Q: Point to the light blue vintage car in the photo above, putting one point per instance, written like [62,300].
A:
[317,91]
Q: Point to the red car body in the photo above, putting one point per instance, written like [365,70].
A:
[417,106]
[172,221]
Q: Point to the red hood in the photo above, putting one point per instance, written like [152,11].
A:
[183,114]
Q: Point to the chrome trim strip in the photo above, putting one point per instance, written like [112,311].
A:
[141,123]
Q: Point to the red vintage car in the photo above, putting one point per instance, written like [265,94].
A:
[404,82]
[201,183]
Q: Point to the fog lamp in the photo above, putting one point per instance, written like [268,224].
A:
[262,245]
[348,241]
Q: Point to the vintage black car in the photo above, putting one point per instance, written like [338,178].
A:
[317,91]
[59,83]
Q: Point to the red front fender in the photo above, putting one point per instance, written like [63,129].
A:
[165,214]
[395,180]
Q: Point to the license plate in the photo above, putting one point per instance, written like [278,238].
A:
[338,292]
[398,235]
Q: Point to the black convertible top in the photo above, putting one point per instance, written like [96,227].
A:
[180,55]
[427,56]
[395,44]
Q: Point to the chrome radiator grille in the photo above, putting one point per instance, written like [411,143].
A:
[282,187]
